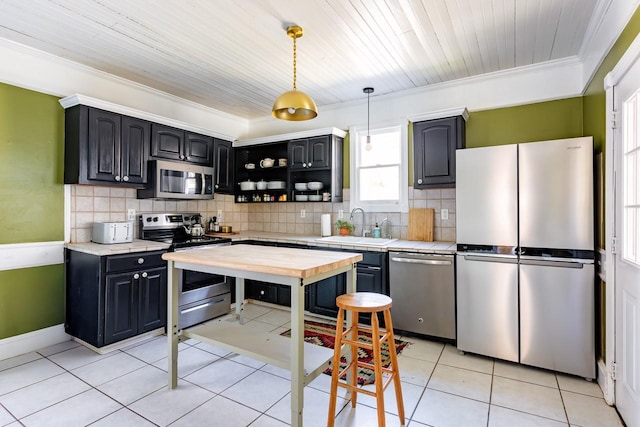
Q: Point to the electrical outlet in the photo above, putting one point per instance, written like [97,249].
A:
[444,213]
[131,214]
[303,213]
[340,214]
[219,214]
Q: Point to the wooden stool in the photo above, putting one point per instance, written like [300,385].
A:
[365,302]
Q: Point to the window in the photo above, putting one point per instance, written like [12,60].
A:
[379,169]
[631,177]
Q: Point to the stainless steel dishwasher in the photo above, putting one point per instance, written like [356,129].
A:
[423,291]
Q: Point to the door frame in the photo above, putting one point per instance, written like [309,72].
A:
[606,381]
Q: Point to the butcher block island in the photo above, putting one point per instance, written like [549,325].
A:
[291,267]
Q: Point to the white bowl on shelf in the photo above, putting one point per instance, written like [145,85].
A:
[301,198]
[315,185]
[276,185]
[315,198]
[301,186]
[261,185]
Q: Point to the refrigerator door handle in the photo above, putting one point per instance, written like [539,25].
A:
[492,258]
[538,261]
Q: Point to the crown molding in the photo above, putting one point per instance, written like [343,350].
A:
[77,99]
[624,64]
[450,112]
[288,136]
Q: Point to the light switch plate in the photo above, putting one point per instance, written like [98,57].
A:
[303,213]
[131,214]
[219,215]
[340,214]
[444,213]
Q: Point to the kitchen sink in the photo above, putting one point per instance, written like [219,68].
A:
[355,240]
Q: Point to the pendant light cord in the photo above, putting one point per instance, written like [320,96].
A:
[368,137]
[294,62]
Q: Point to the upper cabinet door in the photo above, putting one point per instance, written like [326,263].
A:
[223,166]
[103,146]
[136,138]
[434,144]
[319,149]
[298,154]
[167,142]
[198,149]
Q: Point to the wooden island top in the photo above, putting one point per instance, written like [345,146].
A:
[289,262]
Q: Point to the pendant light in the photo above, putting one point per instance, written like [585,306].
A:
[294,105]
[368,91]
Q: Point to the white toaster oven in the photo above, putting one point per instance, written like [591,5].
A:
[112,232]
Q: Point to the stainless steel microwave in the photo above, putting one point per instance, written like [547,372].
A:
[177,180]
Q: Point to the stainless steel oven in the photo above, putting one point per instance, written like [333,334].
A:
[201,296]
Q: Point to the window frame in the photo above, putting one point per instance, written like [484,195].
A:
[402,204]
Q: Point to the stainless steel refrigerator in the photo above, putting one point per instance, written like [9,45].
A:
[525,262]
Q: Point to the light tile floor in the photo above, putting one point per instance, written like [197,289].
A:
[69,385]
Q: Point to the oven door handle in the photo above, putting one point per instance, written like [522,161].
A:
[201,306]
[204,183]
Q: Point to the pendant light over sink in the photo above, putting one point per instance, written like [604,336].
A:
[368,91]
[294,105]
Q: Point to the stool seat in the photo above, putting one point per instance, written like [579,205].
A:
[365,302]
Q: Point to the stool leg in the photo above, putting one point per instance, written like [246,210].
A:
[335,373]
[377,362]
[354,359]
[394,365]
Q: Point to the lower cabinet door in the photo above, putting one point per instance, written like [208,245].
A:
[121,310]
[152,301]
[322,295]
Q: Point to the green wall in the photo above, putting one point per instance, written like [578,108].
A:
[526,123]
[31,206]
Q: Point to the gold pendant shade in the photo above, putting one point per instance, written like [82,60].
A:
[294,105]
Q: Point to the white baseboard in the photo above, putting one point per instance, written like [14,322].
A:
[606,383]
[32,341]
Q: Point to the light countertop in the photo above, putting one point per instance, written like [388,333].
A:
[396,245]
[117,248]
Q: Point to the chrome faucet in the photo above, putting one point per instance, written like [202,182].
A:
[364,229]
[387,234]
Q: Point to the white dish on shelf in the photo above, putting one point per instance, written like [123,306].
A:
[261,185]
[301,198]
[315,198]
[301,186]
[276,185]
[315,185]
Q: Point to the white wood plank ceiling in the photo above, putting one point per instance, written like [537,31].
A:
[236,57]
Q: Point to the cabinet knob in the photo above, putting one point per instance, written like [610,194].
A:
[117,177]
[144,274]
[304,165]
[217,186]
[136,276]
[261,292]
[125,178]
[420,181]
[309,164]
[140,260]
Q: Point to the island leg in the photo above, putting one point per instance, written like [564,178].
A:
[297,353]
[351,287]
[172,323]
[240,299]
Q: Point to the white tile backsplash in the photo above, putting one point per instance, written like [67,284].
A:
[101,204]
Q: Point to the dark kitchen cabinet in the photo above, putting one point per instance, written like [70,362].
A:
[115,297]
[223,166]
[176,144]
[434,147]
[252,155]
[102,147]
[310,153]
[372,276]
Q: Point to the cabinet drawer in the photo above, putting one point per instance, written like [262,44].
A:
[373,258]
[134,261]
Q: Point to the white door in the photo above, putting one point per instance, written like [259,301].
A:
[627,231]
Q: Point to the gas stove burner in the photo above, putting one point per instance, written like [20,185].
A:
[172,228]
